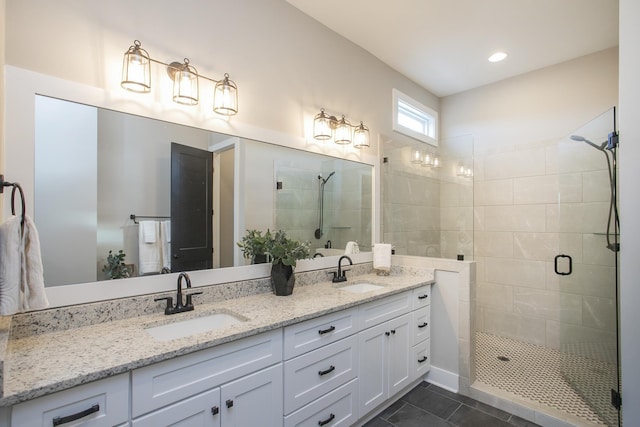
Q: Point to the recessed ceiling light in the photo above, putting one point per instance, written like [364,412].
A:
[497,57]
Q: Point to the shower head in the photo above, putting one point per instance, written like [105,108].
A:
[324,180]
[583,139]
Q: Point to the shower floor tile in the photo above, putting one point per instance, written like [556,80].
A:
[533,372]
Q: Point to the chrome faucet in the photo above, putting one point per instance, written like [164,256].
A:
[341,275]
[180,307]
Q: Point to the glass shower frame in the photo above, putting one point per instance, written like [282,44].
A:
[587,265]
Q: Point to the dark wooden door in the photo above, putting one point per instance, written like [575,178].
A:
[191,208]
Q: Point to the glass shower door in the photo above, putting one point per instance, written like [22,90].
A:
[586,266]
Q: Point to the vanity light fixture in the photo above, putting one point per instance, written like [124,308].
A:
[136,77]
[327,126]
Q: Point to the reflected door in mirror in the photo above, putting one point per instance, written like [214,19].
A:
[191,208]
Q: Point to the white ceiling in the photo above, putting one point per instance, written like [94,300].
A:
[443,45]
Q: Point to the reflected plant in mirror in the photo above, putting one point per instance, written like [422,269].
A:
[254,246]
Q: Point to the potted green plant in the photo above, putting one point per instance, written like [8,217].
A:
[115,268]
[284,253]
[254,246]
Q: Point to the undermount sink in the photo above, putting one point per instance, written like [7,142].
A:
[358,288]
[192,326]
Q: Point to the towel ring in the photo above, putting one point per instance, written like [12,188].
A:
[13,203]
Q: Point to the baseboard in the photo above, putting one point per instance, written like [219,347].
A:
[445,379]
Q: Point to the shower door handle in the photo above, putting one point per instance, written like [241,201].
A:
[555,265]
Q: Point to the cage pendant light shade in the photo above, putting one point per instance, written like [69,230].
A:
[343,132]
[322,126]
[136,69]
[185,84]
[225,97]
[361,136]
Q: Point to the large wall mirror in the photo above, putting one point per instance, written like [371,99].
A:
[93,167]
[120,165]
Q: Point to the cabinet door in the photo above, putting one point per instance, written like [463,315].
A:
[338,408]
[103,403]
[421,327]
[316,373]
[421,359]
[202,410]
[254,400]
[373,376]
[399,348]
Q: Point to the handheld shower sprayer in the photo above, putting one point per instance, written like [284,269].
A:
[319,231]
[579,138]
[610,144]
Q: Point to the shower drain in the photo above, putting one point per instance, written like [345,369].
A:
[503,358]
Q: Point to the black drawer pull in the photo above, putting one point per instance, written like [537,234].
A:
[215,410]
[327,421]
[393,331]
[423,296]
[387,333]
[229,403]
[331,369]
[424,359]
[423,325]
[58,421]
[326,331]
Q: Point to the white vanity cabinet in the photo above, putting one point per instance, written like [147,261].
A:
[234,384]
[102,403]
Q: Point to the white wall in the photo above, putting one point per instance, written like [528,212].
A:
[287,66]
[629,207]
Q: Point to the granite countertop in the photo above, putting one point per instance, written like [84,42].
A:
[55,360]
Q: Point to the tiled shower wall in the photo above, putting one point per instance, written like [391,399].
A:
[428,211]
[519,229]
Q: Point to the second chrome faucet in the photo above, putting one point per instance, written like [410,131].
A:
[180,307]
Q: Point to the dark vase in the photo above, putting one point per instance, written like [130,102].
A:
[260,259]
[282,279]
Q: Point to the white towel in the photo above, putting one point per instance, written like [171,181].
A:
[150,254]
[382,256]
[32,284]
[165,237]
[149,231]
[21,272]
[10,266]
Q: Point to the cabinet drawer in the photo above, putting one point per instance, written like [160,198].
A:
[103,403]
[338,408]
[421,324]
[421,297]
[315,333]
[201,410]
[421,359]
[376,312]
[163,383]
[314,374]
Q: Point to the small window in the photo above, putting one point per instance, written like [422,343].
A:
[413,119]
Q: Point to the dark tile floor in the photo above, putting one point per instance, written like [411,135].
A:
[431,406]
